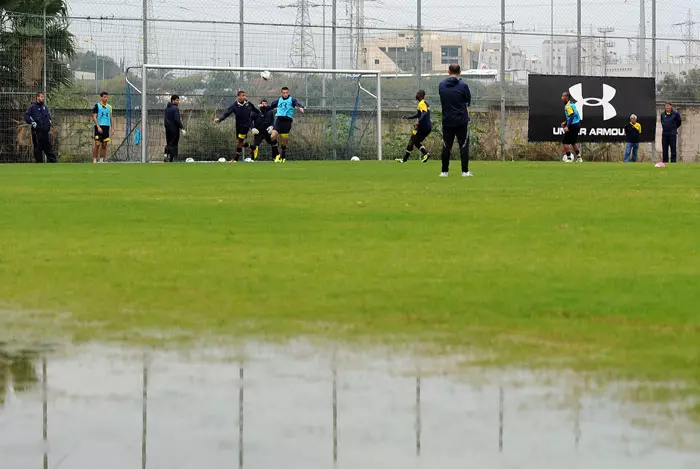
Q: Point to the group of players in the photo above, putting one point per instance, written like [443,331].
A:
[270,122]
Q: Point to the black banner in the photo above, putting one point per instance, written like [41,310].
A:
[605,105]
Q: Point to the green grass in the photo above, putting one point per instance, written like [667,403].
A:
[592,266]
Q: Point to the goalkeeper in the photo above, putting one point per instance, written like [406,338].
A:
[421,130]
[262,129]
[244,111]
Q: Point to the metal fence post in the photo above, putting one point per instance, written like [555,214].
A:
[653,67]
[579,46]
[419,45]
[144,88]
[334,65]
[241,50]
[503,80]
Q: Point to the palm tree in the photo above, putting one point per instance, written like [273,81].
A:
[22,44]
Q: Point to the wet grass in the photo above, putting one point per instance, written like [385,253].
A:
[590,267]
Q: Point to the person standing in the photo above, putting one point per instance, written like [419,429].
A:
[572,128]
[632,130]
[38,116]
[262,122]
[455,98]
[173,126]
[104,127]
[670,122]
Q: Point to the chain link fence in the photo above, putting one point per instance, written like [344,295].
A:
[74,54]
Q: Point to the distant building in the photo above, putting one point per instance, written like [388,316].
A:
[78,75]
[397,53]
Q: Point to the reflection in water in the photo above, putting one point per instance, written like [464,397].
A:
[188,415]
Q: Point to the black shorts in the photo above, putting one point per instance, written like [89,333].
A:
[104,136]
[571,137]
[419,136]
[262,136]
[242,132]
[283,125]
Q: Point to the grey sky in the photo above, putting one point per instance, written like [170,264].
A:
[270,45]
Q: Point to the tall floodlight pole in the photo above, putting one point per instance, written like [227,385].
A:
[144,98]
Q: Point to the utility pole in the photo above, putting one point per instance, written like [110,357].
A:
[303,52]
[551,40]
[606,44]
[579,46]
[689,37]
[642,40]
[241,35]
[419,46]
[653,64]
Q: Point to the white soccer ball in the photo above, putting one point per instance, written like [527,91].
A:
[222,160]
[248,160]
[568,159]
[189,160]
[355,158]
[265,75]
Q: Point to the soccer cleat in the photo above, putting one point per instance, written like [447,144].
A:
[425,158]
[468,174]
[283,160]
[567,159]
[278,159]
[399,160]
[443,175]
[579,159]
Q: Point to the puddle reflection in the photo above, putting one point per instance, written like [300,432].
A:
[302,406]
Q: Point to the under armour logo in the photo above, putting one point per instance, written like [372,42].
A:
[609,92]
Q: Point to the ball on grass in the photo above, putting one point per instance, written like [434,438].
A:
[355,158]
[222,160]
[189,160]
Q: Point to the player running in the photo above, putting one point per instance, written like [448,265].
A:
[572,127]
[104,127]
[262,124]
[422,129]
[284,118]
[244,111]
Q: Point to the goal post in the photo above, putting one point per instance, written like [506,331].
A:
[345,123]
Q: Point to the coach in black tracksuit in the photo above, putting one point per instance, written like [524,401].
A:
[670,122]
[173,125]
[455,98]
[39,118]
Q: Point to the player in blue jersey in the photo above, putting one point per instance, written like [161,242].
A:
[284,117]
[104,127]
[572,127]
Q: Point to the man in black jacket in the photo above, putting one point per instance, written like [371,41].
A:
[244,111]
[39,118]
[262,129]
[173,125]
[455,98]
[633,130]
[670,122]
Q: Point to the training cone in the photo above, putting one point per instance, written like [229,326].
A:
[660,165]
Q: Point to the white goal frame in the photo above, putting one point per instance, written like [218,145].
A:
[333,72]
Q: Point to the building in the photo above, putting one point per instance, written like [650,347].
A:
[397,53]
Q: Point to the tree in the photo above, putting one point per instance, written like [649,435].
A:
[22,44]
[685,87]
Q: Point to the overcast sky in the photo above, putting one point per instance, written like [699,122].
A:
[269,46]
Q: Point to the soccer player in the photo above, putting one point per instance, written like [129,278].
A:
[173,126]
[244,111]
[104,127]
[632,130]
[38,116]
[422,129]
[284,118]
[262,123]
[455,98]
[572,127]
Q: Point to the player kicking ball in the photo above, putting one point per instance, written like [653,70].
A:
[422,129]
[104,127]
[262,129]
[284,117]
[572,127]
[244,111]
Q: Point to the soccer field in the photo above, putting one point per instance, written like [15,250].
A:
[591,266]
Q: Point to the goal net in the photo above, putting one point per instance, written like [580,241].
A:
[341,118]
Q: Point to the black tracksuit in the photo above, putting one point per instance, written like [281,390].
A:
[262,120]
[38,116]
[455,97]
[173,124]
[669,135]
[244,113]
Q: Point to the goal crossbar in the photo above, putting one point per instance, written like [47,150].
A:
[356,73]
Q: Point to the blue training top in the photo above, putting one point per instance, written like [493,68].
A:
[571,114]
[285,107]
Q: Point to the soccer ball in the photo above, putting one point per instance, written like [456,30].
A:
[222,160]
[189,160]
[248,160]
[265,75]
[355,158]
[568,159]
